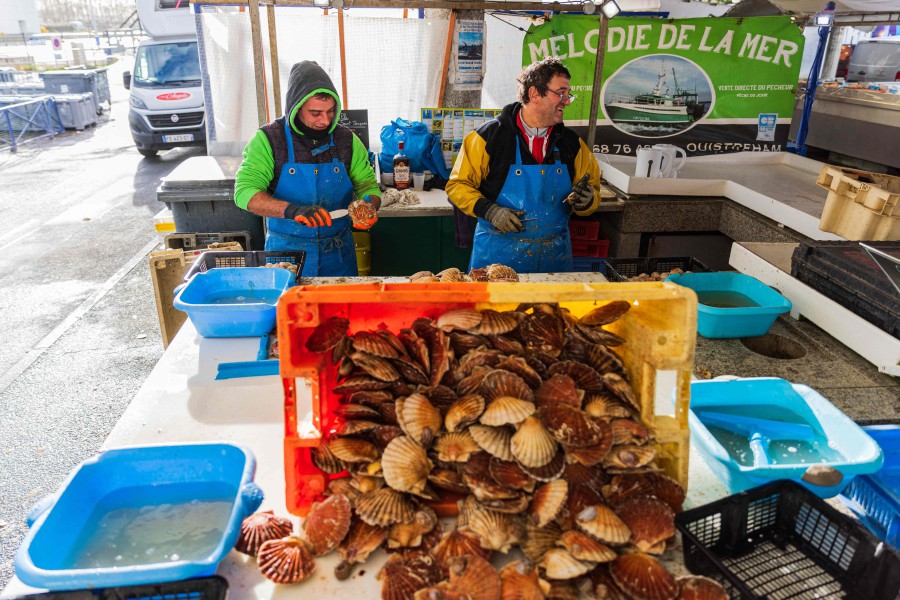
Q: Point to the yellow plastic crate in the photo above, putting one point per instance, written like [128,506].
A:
[860,205]
[363,243]
[660,329]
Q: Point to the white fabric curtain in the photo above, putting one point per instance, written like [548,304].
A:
[393,67]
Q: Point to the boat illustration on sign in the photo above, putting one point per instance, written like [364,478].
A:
[657,106]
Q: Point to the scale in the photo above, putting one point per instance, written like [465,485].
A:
[889,264]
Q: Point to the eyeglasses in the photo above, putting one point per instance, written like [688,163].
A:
[565,98]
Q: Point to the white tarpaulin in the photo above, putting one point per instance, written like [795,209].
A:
[814,6]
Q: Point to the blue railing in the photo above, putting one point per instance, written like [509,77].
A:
[32,119]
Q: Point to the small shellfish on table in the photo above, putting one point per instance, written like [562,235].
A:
[327,523]
[695,587]
[259,528]
[559,563]
[288,560]
[643,577]
[603,524]
[327,334]
[360,542]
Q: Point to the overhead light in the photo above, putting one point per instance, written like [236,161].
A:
[588,7]
[824,19]
[322,3]
[610,9]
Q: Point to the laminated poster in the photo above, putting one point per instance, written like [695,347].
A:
[710,85]
[451,125]
[468,54]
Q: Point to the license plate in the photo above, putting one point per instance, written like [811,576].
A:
[184,137]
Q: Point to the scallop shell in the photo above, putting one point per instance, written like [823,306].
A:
[419,418]
[356,412]
[448,479]
[384,507]
[668,490]
[548,500]
[538,540]
[259,528]
[603,524]
[629,457]
[327,523]
[550,471]
[353,450]
[583,547]
[514,505]
[459,318]
[559,389]
[578,474]
[495,530]
[621,389]
[500,383]
[325,459]
[406,465]
[605,405]
[519,580]
[416,347]
[607,313]
[382,435]
[543,332]
[496,441]
[563,589]
[519,366]
[506,410]
[341,349]
[344,485]
[439,395]
[506,345]
[600,584]
[478,274]
[458,542]
[560,564]
[370,398]
[463,412]
[401,579]
[589,455]
[327,334]
[494,323]
[375,344]
[361,211]
[354,427]
[508,474]
[532,445]
[379,368]
[584,376]
[423,277]
[498,272]
[604,360]
[288,560]
[571,426]
[360,383]
[628,431]
[598,335]
[456,447]
[411,371]
[473,578]
[404,535]
[463,342]
[580,498]
[651,521]
[360,542]
[695,587]
[643,577]
[451,275]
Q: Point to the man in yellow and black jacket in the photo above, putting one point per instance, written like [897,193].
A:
[523,174]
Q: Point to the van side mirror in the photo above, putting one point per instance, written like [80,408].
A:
[126,79]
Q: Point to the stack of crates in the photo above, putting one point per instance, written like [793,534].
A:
[587,246]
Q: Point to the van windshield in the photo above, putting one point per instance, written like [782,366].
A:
[175,64]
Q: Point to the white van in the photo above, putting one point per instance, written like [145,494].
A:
[875,60]
[167,108]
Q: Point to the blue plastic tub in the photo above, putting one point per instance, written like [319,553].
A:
[234,302]
[876,498]
[140,515]
[752,306]
[774,429]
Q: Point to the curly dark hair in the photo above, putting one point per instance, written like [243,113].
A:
[538,75]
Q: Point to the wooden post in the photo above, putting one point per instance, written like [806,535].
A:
[447,51]
[258,66]
[273,54]
[346,103]
[598,81]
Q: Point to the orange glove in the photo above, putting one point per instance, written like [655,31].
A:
[362,214]
[311,216]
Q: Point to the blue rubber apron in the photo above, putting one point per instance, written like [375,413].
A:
[544,246]
[329,250]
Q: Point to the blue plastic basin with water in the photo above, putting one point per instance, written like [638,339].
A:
[746,306]
[234,302]
[140,515]
[755,430]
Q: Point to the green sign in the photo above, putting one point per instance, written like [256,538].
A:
[710,85]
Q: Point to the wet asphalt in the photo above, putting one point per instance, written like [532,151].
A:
[79,331]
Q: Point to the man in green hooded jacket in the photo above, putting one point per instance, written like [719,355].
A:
[298,170]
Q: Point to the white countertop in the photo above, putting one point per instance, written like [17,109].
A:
[778,185]
[182,402]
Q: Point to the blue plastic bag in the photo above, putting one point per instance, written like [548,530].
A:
[422,147]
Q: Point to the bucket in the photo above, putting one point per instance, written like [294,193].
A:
[363,243]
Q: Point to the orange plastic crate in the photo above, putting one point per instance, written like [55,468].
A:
[584,230]
[660,329]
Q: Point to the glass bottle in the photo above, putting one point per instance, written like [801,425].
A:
[401,169]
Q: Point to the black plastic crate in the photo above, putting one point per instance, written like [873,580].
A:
[192,241]
[252,258]
[845,273]
[621,269]
[782,541]
[201,588]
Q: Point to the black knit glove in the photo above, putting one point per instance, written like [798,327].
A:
[311,216]
[582,194]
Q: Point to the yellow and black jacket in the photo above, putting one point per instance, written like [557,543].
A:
[487,153]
